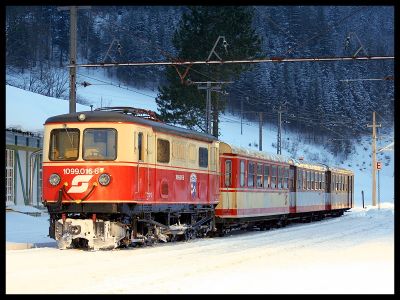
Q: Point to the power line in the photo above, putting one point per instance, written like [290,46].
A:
[240,61]
[124,88]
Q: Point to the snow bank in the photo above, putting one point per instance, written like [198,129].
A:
[22,228]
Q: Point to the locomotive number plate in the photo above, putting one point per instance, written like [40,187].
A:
[180,177]
[82,171]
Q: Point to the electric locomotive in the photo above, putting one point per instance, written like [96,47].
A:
[116,176]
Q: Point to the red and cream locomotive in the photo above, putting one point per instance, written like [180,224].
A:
[117,176]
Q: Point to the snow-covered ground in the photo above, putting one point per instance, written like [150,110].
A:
[350,254]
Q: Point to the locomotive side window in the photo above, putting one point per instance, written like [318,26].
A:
[203,157]
[250,175]
[163,152]
[64,144]
[267,179]
[99,144]
[228,173]
[259,175]
[140,146]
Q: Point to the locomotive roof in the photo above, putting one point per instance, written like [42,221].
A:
[110,116]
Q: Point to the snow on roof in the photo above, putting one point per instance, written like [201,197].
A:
[259,154]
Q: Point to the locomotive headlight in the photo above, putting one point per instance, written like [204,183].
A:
[54,179]
[104,179]
[81,117]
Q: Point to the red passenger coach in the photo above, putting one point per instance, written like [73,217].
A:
[254,186]
[132,178]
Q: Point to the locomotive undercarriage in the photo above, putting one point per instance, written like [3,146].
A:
[118,225]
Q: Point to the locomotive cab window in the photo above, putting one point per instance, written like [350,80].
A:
[99,144]
[203,157]
[163,152]
[64,144]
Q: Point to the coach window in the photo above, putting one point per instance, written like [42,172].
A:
[343,183]
[299,179]
[286,178]
[64,144]
[99,144]
[259,175]
[228,173]
[267,180]
[273,176]
[250,175]
[242,173]
[333,185]
[308,180]
[322,181]
[203,157]
[313,180]
[163,151]
[279,176]
[304,179]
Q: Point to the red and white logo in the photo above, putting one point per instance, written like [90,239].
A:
[76,188]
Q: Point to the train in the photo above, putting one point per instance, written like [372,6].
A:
[118,177]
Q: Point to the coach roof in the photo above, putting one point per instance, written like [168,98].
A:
[111,116]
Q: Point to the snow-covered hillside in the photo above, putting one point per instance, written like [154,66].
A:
[29,111]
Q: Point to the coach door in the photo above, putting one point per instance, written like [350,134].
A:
[328,194]
[292,188]
[142,172]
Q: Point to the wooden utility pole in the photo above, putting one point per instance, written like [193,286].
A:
[279,137]
[260,131]
[373,158]
[72,54]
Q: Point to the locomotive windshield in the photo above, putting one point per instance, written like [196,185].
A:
[100,144]
[64,144]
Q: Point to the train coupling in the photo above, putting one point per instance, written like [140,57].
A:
[97,235]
